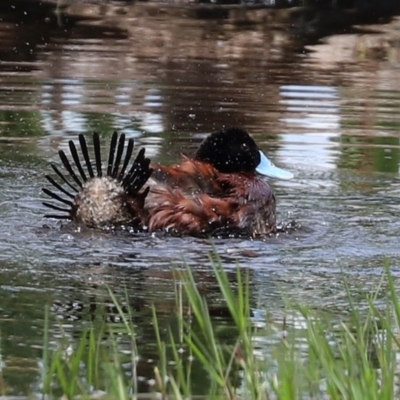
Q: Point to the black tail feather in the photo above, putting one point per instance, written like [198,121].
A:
[136,166]
[57,197]
[77,161]
[67,165]
[139,173]
[113,145]
[120,150]
[56,216]
[128,155]
[57,171]
[85,153]
[54,207]
[58,186]
[97,153]
[140,177]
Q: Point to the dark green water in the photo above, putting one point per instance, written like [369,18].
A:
[327,111]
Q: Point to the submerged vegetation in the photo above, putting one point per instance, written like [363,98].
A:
[319,358]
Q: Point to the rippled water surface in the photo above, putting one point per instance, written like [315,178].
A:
[328,110]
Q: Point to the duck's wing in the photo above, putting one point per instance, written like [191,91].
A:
[191,177]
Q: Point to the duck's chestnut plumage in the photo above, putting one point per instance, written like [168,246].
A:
[218,190]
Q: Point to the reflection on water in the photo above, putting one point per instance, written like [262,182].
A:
[329,112]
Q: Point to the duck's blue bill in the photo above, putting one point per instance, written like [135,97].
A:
[265,167]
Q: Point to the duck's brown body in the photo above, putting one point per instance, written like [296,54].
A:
[194,197]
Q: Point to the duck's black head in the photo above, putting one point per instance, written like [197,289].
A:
[230,150]
[233,150]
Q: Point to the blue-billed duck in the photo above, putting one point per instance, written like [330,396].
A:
[219,190]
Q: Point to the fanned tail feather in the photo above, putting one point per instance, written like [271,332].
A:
[77,161]
[117,165]
[85,153]
[57,171]
[128,156]
[58,186]
[97,153]
[120,150]
[139,173]
[113,145]
[68,167]
[57,197]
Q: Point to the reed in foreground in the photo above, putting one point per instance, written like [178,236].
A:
[326,358]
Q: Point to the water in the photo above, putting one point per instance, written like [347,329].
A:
[327,110]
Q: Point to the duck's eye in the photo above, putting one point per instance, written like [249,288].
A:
[245,146]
